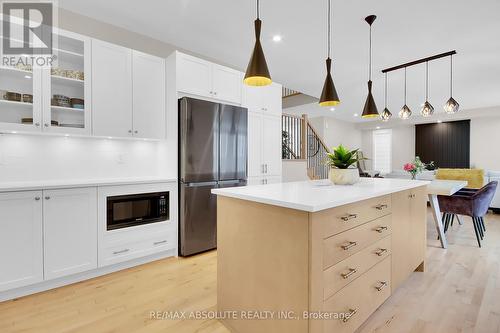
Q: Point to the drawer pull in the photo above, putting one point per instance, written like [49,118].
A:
[349,217]
[160,242]
[381,252]
[380,229]
[121,251]
[348,275]
[381,207]
[349,315]
[383,284]
[348,246]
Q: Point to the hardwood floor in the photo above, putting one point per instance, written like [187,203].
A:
[459,292]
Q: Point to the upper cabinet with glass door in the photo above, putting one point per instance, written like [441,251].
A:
[66,105]
[20,88]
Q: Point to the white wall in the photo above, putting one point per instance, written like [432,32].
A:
[294,170]
[484,141]
[24,157]
[336,132]
[403,146]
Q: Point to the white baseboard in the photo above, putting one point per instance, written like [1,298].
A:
[64,281]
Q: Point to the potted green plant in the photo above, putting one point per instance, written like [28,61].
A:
[342,163]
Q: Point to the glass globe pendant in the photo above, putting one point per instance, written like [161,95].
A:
[405,111]
[427,108]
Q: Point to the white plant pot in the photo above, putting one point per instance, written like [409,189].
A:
[344,176]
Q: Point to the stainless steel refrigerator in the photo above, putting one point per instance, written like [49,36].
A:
[212,154]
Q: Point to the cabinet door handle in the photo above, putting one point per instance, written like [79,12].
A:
[160,242]
[215,93]
[135,132]
[121,251]
[382,285]
[381,252]
[349,274]
[266,167]
[37,198]
[349,246]
[380,229]
[47,198]
[130,131]
[262,168]
[46,125]
[381,207]
[37,124]
[348,217]
[349,315]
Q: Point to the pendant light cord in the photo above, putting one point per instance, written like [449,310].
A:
[258,13]
[426,81]
[329,27]
[405,85]
[451,75]
[385,94]
[370,67]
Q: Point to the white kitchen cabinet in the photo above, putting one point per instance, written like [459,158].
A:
[264,145]
[111,89]
[202,78]
[73,57]
[70,231]
[148,83]
[21,251]
[267,99]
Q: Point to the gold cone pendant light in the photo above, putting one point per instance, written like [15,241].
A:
[427,108]
[370,109]
[257,73]
[451,105]
[386,114]
[329,95]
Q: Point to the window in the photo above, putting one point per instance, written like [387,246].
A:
[382,151]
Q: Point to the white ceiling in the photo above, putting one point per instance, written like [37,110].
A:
[404,30]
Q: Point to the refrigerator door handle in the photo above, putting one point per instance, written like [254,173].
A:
[200,184]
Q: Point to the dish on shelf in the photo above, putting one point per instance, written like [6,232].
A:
[12,96]
[72,125]
[67,73]
[27,98]
[77,103]
[61,100]
[22,67]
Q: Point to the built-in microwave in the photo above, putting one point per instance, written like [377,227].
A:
[125,211]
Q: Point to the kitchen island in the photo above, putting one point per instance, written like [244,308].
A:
[298,257]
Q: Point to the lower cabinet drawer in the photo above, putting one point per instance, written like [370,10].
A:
[126,251]
[344,245]
[348,270]
[356,302]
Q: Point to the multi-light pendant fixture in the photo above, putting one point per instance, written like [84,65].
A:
[427,110]
[370,108]
[329,95]
[257,73]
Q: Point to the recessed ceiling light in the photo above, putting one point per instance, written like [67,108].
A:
[332,109]
[277,38]
[378,127]
[355,115]
[439,121]
[14,132]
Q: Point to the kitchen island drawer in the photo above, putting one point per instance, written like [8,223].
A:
[356,302]
[336,220]
[344,245]
[343,273]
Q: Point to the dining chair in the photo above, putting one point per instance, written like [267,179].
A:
[469,203]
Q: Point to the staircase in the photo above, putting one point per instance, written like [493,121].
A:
[301,142]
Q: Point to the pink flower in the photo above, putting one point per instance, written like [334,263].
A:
[409,167]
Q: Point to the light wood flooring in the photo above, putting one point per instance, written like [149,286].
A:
[459,292]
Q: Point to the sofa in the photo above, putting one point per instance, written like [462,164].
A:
[431,175]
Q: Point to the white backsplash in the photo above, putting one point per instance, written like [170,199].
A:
[26,157]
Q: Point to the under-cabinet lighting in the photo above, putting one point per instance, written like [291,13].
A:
[277,38]
[439,121]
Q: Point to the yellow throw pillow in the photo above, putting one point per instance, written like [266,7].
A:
[474,177]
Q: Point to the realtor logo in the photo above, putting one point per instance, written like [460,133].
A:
[27,28]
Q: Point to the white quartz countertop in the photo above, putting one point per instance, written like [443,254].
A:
[69,183]
[307,196]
